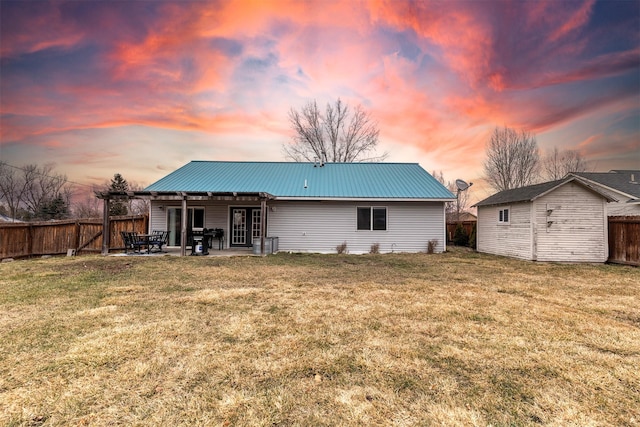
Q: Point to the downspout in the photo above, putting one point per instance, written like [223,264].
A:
[444,220]
[263,223]
[183,228]
[605,227]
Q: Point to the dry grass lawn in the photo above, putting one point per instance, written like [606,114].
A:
[450,339]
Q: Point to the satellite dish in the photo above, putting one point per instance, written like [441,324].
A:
[462,185]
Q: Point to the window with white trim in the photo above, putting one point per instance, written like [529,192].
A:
[372,218]
[503,216]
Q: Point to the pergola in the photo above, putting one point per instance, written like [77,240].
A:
[185,198]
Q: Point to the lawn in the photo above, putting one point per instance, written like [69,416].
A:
[291,339]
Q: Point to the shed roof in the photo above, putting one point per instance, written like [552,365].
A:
[532,192]
[624,181]
[306,180]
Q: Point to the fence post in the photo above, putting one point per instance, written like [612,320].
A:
[76,243]
[30,240]
[106,228]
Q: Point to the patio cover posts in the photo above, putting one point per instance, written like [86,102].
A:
[184,198]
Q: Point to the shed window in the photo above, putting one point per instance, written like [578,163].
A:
[503,216]
[372,218]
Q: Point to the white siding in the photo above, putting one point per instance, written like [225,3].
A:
[216,213]
[513,239]
[623,209]
[577,232]
[322,226]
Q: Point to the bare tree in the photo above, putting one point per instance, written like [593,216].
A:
[42,186]
[338,135]
[138,206]
[89,206]
[558,163]
[460,205]
[32,188]
[12,188]
[513,159]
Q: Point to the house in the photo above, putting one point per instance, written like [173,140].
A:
[309,207]
[6,218]
[621,185]
[563,221]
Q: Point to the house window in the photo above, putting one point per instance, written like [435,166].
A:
[372,218]
[503,216]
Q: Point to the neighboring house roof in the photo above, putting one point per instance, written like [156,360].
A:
[288,180]
[532,192]
[626,182]
[5,218]
[464,216]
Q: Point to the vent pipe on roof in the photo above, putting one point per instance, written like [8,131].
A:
[305,183]
[323,158]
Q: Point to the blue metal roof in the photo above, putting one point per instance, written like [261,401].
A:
[287,180]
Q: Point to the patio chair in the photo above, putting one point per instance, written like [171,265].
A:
[131,244]
[157,240]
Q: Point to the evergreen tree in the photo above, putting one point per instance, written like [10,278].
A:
[56,208]
[460,236]
[118,183]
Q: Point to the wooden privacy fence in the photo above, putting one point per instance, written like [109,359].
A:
[57,237]
[624,240]
[451,228]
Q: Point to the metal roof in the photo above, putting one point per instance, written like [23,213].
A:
[532,192]
[306,180]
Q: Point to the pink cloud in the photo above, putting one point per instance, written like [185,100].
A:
[576,19]
[437,76]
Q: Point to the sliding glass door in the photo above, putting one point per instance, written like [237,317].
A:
[195,221]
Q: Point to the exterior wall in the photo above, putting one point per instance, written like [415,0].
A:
[314,226]
[623,209]
[578,232]
[321,226]
[216,213]
[513,239]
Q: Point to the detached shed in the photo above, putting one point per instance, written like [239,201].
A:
[562,221]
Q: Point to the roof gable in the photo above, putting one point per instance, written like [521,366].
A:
[306,180]
[533,192]
[626,182]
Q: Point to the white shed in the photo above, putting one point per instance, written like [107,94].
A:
[561,221]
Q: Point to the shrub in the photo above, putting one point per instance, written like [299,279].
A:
[342,248]
[431,246]
[460,237]
[375,248]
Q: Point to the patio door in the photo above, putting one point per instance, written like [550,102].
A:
[195,221]
[245,226]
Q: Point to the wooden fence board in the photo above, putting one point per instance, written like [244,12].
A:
[624,240]
[451,228]
[56,237]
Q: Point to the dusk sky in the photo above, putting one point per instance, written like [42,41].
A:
[143,87]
